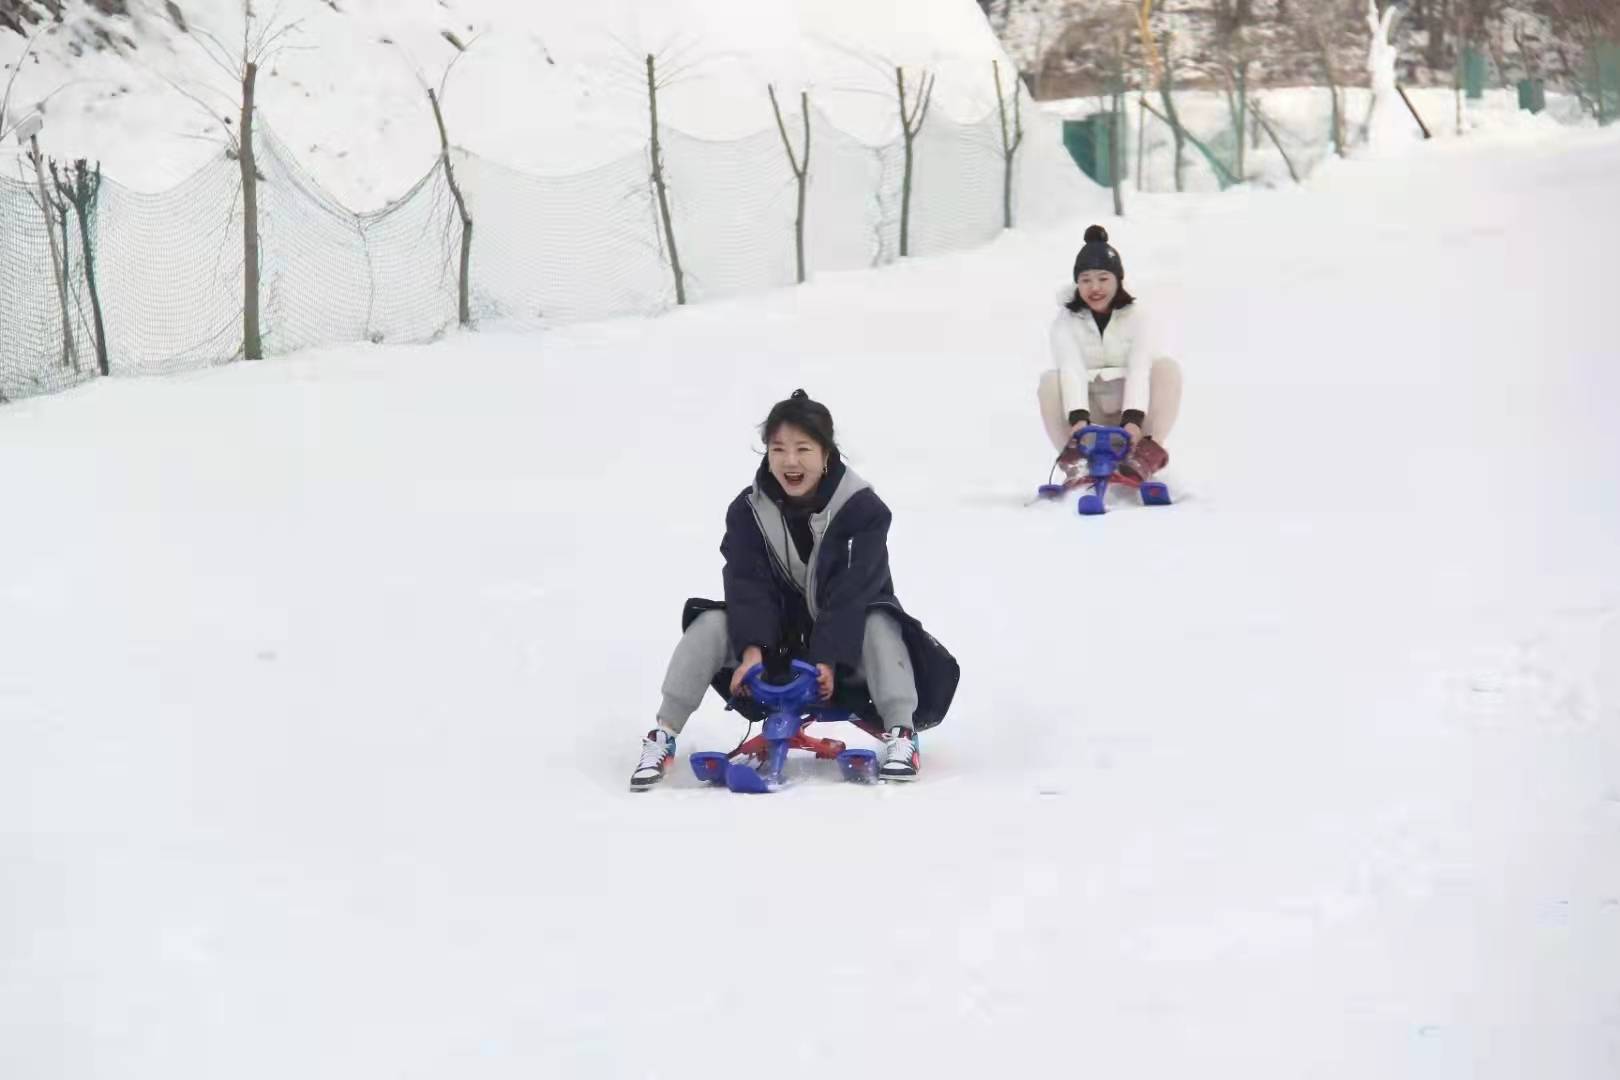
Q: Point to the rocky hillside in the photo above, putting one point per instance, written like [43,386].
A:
[1072,47]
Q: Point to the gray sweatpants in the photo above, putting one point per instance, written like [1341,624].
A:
[705,649]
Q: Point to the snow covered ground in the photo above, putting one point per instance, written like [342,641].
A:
[321,680]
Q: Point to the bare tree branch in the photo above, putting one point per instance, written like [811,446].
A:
[230,135]
[5,99]
[464,50]
[218,52]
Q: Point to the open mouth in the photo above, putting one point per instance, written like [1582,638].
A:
[793,479]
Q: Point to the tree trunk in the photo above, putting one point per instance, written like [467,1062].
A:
[1435,21]
[1222,174]
[70,355]
[1165,92]
[1010,141]
[252,343]
[1115,148]
[801,169]
[910,124]
[1242,117]
[905,182]
[85,193]
[464,301]
[1141,121]
[804,186]
[1326,56]
[658,183]
[1260,119]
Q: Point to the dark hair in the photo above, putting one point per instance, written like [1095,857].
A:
[810,417]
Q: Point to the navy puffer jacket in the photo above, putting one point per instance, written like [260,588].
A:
[815,609]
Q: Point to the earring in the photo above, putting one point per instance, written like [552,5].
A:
[824,467]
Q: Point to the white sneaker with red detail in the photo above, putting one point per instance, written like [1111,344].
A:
[901,755]
[657,753]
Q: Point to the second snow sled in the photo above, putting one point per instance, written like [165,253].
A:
[1106,448]
[757,765]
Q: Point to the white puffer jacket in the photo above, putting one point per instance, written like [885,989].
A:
[1082,353]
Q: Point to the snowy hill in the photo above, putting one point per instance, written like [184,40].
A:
[544,86]
[321,680]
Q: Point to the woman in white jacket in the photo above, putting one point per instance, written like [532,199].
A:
[1107,368]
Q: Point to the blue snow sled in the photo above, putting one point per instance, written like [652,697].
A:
[757,765]
[1103,449]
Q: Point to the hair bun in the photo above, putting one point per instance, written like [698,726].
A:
[1096,234]
[799,395]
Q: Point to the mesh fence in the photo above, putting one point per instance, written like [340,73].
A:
[170,272]
[330,275]
[1285,139]
[564,248]
[546,249]
[41,323]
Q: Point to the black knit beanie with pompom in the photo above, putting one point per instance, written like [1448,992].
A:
[1098,254]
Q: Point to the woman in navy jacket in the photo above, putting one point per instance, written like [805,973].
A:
[807,577]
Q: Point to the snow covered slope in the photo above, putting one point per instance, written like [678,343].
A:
[321,681]
[546,85]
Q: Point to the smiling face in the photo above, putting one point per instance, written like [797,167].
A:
[1097,288]
[796,460]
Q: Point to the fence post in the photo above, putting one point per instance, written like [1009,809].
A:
[252,342]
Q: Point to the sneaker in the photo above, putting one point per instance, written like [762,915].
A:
[657,751]
[1146,458]
[901,758]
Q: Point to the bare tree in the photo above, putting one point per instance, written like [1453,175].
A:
[1010,140]
[81,189]
[1434,19]
[1260,118]
[11,82]
[252,339]
[1038,50]
[1457,71]
[55,215]
[262,41]
[1167,80]
[54,212]
[912,118]
[1161,72]
[656,151]
[1233,58]
[463,288]
[1587,22]
[800,166]
[1590,25]
[1322,46]
[436,100]
[1141,131]
[1473,23]
[1116,118]
[1528,52]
